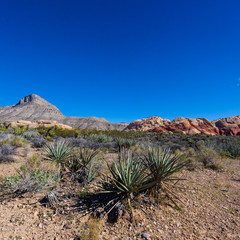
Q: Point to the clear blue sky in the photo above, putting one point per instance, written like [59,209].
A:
[123,59]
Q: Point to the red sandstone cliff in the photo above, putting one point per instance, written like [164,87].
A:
[223,126]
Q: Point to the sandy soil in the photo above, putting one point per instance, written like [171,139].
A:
[211,210]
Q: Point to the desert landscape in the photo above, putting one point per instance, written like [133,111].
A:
[86,178]
[119,120]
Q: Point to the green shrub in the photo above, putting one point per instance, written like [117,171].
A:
[233,148]
[19,142]
[19,130]
[209,158]
[101,138]
[26,181]
[6,141]
[31,134]
[124,143]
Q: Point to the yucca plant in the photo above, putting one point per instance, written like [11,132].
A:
[58,152]
[128,177]
[163,164]
[80,165]
[86,155]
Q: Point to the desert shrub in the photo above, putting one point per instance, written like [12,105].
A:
[18,142]
[224,153]
[101,138]
[48,138]
[31,134]
[42,130]
[66,133]
[19,130]
[233,148]
[6,135]
[124,143]
[25,181]
[6,151]
[77,142]
[111,146]
[190,155]
[5,141]
[38,142]
[209,158]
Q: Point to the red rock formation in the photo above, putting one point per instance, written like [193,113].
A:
[228,126]
[224,126]
[146,124]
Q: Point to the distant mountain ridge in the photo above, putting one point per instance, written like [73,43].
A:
[33,108]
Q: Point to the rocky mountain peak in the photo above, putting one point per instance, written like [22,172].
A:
[33,108]
[33,98]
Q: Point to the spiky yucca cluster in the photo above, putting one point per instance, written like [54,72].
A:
[58,152]
[150,172]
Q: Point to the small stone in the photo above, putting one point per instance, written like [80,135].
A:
[23,228]
[145,236]
[3,229]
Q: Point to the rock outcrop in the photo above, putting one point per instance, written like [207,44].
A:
[228,126]
[147,124]
[34,108]
[223,126]
[39,123]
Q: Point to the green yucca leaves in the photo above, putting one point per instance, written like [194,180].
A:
[163,163]
[129,176]
[86,155]
[79,164]
[58,152]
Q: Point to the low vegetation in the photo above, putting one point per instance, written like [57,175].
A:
[113,173]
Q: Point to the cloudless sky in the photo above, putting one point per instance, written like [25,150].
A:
[123,59]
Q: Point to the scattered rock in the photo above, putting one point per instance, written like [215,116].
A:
[145,236]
